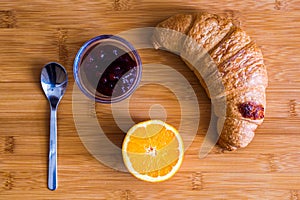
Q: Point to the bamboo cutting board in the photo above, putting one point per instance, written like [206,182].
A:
[33,33]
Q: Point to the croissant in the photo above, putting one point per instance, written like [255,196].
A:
[228,64]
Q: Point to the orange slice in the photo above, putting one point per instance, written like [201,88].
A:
[152,151]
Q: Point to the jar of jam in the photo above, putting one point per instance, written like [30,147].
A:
[107,69]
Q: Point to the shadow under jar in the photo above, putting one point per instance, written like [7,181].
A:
[107,69]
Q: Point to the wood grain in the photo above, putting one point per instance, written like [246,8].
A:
[33,33]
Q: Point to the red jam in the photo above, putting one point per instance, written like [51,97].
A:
[110,70]
[252,110]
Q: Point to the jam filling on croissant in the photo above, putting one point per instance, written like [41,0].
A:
[252,110]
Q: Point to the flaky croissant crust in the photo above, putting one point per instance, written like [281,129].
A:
[229,66]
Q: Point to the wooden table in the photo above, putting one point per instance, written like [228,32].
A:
[33,33]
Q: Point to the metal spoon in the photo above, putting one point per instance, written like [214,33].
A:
[54,80]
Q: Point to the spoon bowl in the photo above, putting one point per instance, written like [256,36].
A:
[54,81]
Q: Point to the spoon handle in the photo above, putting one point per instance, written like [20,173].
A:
[52,165]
